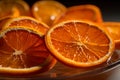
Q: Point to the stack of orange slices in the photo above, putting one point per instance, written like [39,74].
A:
[77,37]
[22,47]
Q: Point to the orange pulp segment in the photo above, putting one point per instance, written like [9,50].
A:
[79,43]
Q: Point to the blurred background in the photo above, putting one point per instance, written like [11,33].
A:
[110,8]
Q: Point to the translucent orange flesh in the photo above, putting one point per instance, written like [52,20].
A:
[47,11]
[22,49]
[80,42]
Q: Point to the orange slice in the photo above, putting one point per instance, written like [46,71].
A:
[23,50]
[114,29]
[47,11]
[3,20]
[14,8]
[27,21]
[79,43]
[86,11]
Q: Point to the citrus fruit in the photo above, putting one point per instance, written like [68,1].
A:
[3,20]
[23,50]
[78,12]
[14,8]
[47,11]
[114,29]
[79,43]
[27,21]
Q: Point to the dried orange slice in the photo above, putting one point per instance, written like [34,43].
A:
[14,8]
[79,43]
[23,50]
[86,11]
[114,29]
[47,11]
[27,21]
[3,20]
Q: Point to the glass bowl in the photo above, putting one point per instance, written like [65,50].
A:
[105,71]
